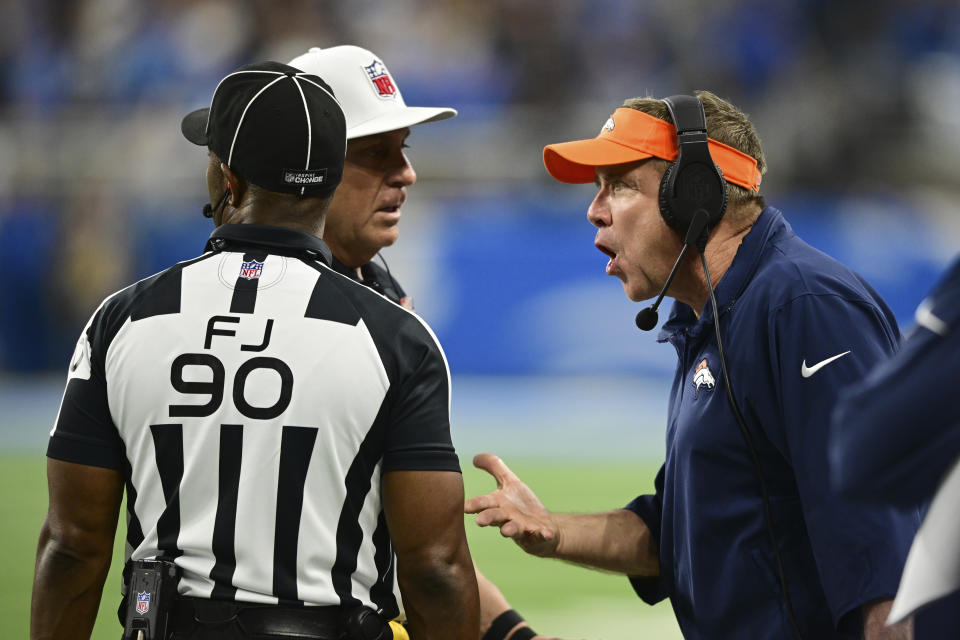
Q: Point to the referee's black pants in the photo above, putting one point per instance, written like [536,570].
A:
[200,619]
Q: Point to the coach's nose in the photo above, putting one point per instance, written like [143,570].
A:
[598,213]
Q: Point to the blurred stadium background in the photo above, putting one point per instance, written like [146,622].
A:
[857,106]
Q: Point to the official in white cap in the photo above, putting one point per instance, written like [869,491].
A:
[366,209]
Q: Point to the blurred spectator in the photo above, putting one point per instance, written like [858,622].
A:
[90,89]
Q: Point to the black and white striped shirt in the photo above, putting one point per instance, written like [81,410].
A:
[253,397]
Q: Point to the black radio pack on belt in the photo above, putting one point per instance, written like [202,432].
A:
[363,623]
[151,590]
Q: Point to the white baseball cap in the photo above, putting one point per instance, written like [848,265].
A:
[367,92]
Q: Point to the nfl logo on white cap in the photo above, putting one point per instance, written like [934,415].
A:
[370,96]
[380,77]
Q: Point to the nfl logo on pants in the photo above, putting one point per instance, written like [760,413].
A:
[143,602]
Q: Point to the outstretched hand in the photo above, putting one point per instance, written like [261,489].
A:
[514,508]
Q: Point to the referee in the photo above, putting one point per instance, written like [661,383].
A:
[281,430]
[364,216]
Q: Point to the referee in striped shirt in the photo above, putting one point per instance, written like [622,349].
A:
[281,430]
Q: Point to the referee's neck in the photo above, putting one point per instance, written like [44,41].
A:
[310,224]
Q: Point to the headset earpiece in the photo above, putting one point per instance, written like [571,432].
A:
[666,209]
[693,181]
[693,198]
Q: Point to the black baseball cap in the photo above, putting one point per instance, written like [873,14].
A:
[275,126]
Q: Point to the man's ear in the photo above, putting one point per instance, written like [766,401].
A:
[236,184]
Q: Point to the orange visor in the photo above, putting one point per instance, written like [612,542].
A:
[630,135]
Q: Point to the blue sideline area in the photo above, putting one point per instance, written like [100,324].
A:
[514,285]
[545,357]
[564,418]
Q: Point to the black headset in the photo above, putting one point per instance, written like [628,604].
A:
[693,199]
[693,183]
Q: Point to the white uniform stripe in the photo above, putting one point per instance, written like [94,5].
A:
[207,128]
[332,97]
[306,112]
[925,318]
[436,340]
[319,86]
[311,359]
[244,115]
[446,364]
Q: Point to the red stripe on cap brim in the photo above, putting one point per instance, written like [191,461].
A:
[576,162]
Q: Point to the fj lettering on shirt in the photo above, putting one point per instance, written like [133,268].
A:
[221,370]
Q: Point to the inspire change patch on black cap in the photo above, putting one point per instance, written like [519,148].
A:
[276,126]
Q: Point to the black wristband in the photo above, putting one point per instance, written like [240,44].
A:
[502,625]
[523,633]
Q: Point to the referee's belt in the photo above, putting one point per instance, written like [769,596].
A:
[255,620]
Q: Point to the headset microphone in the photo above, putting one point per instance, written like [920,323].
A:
[693,198]
[209,209]
[647,318]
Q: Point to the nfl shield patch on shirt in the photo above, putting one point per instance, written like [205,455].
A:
[251,270]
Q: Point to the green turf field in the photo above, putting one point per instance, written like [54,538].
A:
[556,598]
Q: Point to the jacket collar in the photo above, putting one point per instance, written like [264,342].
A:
[283,239]
[734,281]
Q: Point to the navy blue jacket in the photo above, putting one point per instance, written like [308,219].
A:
[897,433]
[786,312]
